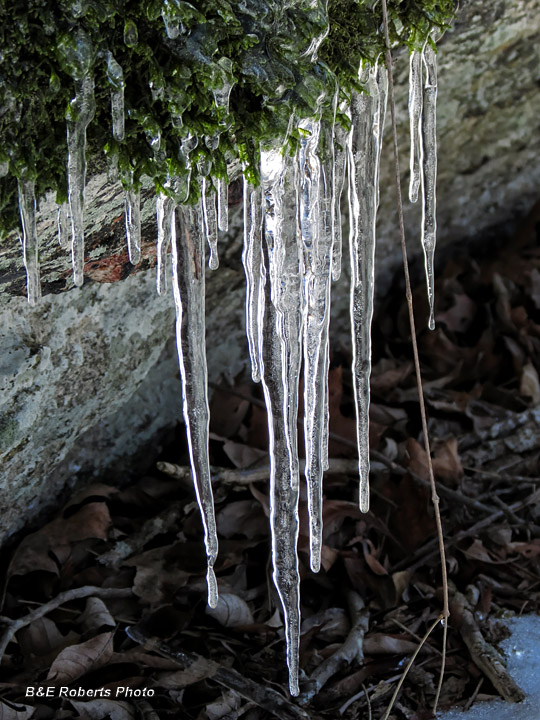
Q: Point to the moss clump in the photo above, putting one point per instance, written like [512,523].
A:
[261,47]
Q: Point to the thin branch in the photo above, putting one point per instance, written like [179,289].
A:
[410,664]
[266,698]
[13,626]
[408,293]
[351,650]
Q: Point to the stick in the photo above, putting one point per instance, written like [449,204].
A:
[484,655]
[266,698]
[408,293]
[351,650]
[13,626]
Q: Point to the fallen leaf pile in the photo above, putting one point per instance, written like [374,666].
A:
[135,555]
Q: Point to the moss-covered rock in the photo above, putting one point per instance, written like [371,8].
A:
[172,58]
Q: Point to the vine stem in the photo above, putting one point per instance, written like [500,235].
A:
[408,293]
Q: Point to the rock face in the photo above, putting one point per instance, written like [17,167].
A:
[89,378]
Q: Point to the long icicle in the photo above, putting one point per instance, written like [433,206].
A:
[429,174]
[281,323]
[316,218]
[115,75]
[367,112]
[189,293]
[81,112]
[415,120]
[27,210]
[251,259]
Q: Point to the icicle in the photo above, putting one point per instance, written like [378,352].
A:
[27,210]
[188,286]
[210,224]
[80,113]
[365,141]
[316,218]
[429,174]
[132,205]
[281,326]
[251,259]
[415,116]
[164,211]
[4,167]
[223,204]
[62,223]
[340,164]
[116,79]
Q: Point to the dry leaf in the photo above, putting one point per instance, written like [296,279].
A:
[243,517]
[381,644]
[231,611]
[529,385]
[77,660]
[446,462]
[96,616]
[225,707]
[104,708]
[40,637]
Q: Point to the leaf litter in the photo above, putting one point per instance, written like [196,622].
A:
[379,587]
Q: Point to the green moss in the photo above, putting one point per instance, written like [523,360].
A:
[47,46]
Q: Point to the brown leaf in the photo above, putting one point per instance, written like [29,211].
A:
[40,637]
[104,708]
[16,712]
[369,556]
[243,456]
[89,521]
[529,384]
[446,462]
[77,660]
[388,373]
[382,644]
[242,517]
[96,616]
[231,611]
[459,317]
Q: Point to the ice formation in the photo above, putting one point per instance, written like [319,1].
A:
[292,250]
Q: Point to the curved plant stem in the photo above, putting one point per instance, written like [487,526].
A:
[434,497]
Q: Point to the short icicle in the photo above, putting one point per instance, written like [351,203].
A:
[189,292]
[116,80]
[314,180]
[223,204]
[280,342]
[429,174]
[210,224]
[80,113]
[132,206]
[365,141]
[251,259]
[415,119]
[164,214]
[62,224]
[27,210]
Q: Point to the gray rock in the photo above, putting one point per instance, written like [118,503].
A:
[89,379]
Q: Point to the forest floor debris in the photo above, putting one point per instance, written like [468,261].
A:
[134,556]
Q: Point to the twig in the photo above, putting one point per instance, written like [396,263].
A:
[13,626]
[236,476]
[484,655]
[410,664]
[351,650]
[408,293]
[266,698]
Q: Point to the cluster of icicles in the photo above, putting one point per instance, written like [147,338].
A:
[292,251]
